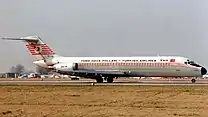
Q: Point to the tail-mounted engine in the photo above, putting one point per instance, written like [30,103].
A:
[47,63]
[66,67]
[51,62]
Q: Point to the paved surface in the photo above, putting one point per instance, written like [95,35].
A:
[90,82]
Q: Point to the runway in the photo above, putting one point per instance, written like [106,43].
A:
[90,82]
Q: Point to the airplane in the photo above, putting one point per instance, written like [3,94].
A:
[109,68]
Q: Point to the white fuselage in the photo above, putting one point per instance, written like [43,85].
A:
[111,67]
[168,66]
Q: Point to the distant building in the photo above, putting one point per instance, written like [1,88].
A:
[2,75]
[11,75]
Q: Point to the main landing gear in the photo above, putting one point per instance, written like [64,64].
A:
[110,80]
[100,79]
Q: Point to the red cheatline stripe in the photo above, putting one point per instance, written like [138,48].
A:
[133,64]
[139,64]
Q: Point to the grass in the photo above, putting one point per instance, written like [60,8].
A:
[103,101]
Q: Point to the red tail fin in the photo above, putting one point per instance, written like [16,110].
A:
[36,47]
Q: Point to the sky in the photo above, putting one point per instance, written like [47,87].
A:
[105,28]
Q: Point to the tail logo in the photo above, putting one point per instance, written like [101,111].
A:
[38,49]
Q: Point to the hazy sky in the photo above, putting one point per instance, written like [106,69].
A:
[105,28]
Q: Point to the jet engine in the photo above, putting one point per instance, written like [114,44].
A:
[47,63]
[66,67]
[50,62]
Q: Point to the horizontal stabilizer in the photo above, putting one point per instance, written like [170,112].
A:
[30,38]
[35,46]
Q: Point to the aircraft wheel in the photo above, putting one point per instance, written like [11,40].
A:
[193,80]
[110,80]
[99,80]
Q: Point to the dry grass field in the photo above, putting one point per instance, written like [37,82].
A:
[103,101]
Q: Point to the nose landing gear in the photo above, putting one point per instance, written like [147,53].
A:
[193,80]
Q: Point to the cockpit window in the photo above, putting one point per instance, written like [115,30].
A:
[192,63]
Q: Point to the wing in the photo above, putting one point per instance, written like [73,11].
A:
[89,73]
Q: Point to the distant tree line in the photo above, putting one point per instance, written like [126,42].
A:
[42,70]
[20,69]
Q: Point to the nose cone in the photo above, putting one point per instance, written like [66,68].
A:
[203,71]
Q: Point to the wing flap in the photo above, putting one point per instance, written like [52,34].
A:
[95,72]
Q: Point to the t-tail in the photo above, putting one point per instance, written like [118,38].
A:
[36,47]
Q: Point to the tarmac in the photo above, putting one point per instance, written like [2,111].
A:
[149,82]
